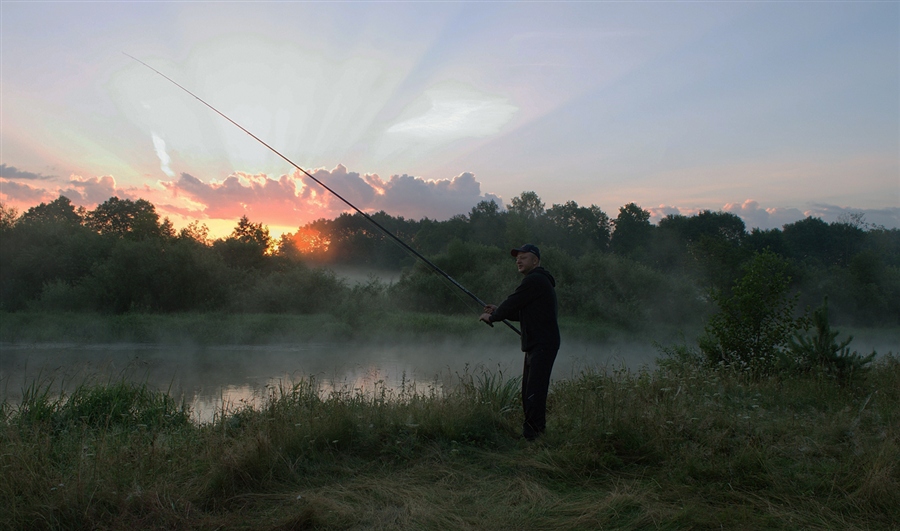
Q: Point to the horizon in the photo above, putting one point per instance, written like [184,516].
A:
[773,112]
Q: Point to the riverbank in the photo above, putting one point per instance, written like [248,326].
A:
[209,360]
[675,447]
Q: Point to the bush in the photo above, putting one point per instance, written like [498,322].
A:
[823,351]
[299,289]
[756,321]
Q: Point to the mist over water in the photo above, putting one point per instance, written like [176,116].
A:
[209,379]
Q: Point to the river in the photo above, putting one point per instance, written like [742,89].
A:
[210,379]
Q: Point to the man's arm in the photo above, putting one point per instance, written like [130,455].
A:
[509,309]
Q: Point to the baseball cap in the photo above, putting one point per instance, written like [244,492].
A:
[527,248]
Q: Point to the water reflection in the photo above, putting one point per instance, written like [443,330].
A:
[211,380]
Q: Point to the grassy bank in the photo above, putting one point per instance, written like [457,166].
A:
[675,448]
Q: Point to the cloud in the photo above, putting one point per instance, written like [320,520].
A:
[23,195]
[294,200]
[356,189]
[256,196]
[458,118]
[82,191]
[658,213]
[88,191]
[442,199]
[164,160]
[10,172]
[768,218]
[885,217]
[755,216]
[455,111]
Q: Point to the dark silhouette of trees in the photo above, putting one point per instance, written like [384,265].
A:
[709,243]
[121,257]
[487,224]
[47,246]
[60,211]
[528,205]
[246,247]
[578,229]
[632,231]
[124,218]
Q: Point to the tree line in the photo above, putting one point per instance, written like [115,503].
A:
[624,271]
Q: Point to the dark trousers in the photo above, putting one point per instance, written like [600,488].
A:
[535,385]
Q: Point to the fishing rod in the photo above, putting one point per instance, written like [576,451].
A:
[339,196]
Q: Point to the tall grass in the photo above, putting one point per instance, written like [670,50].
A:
[678,447]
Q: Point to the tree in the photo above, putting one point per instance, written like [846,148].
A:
[247,246]
[124,218]
[578,229]
[487,224]
[8,217]
[714,243]
[59,211]
[528,205]
[252,233]
[756,320]
[48,245]
[813,241]
[196,232]
[632,231]
[824,351]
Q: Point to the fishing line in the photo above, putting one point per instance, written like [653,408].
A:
[339,196]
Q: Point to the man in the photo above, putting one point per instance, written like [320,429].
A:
[533,304]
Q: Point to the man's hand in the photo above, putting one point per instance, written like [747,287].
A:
[486,316]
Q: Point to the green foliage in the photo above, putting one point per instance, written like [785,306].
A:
[864,293]
[632,231]
[115,405]
[120,257]
[60,211]
[298,289]
[679,447]
[823,351]
[8,217]
[527,205]
[756,320]
[610,289]
[247,246]
[713,242]
[814,241]
[577,229]
[486,270]
[47,246]
[124,218]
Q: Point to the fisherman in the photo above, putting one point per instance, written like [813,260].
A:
[533,304]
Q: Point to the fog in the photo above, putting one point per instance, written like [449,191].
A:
[209,379]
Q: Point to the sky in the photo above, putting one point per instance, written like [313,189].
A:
[773,111]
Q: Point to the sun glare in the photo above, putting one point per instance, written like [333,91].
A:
[311,241]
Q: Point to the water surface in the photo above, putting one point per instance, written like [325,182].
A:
[209,379]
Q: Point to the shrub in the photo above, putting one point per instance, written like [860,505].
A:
[755,323]
[822,350]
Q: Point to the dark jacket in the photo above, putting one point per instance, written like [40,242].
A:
[533,304]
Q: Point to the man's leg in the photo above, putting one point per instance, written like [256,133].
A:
[535,386]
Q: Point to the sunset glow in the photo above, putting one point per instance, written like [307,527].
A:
[771,111]
[310,241]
